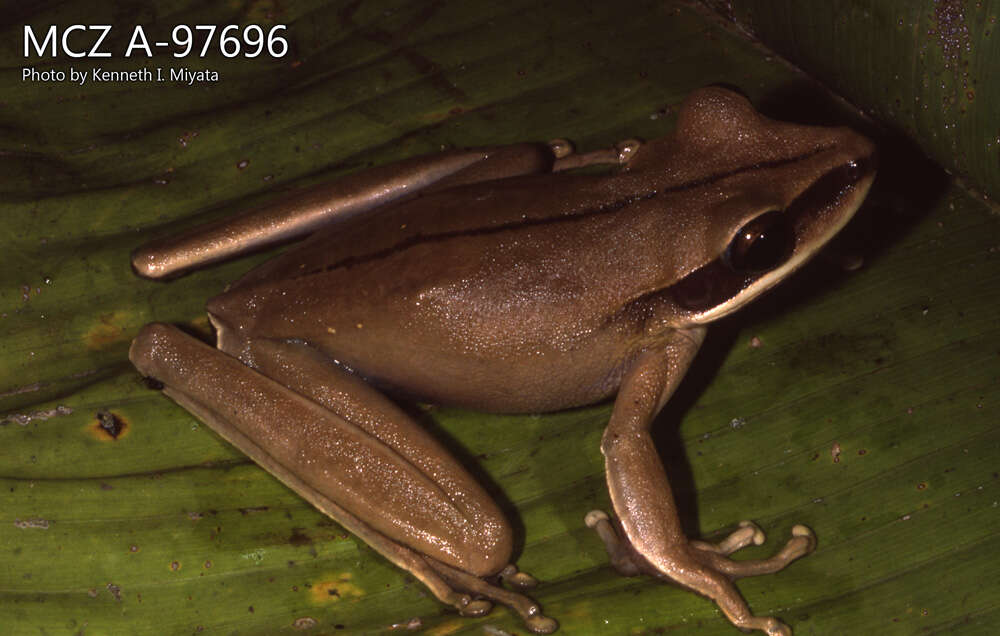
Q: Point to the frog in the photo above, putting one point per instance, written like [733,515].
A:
[526,278]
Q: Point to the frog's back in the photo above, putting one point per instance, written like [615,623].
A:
[462,299]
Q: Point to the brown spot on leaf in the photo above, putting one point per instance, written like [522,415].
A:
[299,538]
[108,426]
[250,511]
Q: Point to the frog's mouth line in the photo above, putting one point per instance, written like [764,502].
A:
[812,219]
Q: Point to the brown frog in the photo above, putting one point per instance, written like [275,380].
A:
[492,279]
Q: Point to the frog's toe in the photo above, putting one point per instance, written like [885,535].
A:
[758,537]
[619,551]
[747,533]
[542,624]
[518,580]
[627,149]
[561,148]
[594,517]
[478,607]
[777,628]
[799,530]
[803,542]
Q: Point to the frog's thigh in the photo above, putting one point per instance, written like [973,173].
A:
[396,468]
[307,210]
[312,374]
[327,458]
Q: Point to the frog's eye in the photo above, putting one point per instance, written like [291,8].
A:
[760,245]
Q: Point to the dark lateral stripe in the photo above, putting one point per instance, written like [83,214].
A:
[615,206]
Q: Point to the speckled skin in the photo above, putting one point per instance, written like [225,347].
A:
[523,293]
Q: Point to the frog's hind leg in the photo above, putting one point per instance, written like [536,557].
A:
[351,453]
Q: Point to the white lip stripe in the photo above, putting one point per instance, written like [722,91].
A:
[772,278]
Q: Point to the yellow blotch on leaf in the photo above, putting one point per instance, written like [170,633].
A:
[109,329]
[335,588]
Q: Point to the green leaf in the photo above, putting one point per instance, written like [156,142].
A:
[859,402]
[924,69]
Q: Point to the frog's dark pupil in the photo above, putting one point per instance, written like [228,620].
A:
[761,244]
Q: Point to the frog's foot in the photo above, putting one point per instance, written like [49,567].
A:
[705,567]
[527,609]
[567,159]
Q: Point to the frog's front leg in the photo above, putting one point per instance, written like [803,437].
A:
[351,453]
[307,210]
[653,540]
